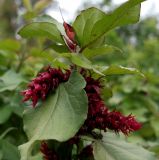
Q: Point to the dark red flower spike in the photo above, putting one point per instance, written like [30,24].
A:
[99,117]
[44,83]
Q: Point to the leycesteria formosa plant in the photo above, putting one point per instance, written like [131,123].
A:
[69,119]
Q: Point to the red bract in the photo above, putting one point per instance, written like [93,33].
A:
[44,83]
[48,154]
[69,32]
[70,38]
[71,45]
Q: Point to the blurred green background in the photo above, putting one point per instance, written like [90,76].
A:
[21,59]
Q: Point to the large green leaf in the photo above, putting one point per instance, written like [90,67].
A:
[42,29]
[119,70]
[92,24]
[106,49]
[46,18]
[78,59]
[49,19]
[10,80]
[55,46]
[81,61]
[60,116]
[113,148]
[84,24]
[128,13]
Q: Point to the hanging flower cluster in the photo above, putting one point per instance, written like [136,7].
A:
[43,84]
[100,117]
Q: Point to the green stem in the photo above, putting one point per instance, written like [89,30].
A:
[27,4]
[22,59]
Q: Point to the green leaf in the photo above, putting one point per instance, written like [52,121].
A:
[154,123]
[5,113]
[6,55]
[59,64]
[46,18]
[119,70]
[60,116]
[10,81]
[106,49]
[59,48]
[78,59]
[113,148]
[92,24]
[81,61]
[49,19]
[84,24]
[9,151]
[151,105]
[10,45]
[41,29]
[128,13]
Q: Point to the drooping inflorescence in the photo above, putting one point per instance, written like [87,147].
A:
[99,115]
[44,83]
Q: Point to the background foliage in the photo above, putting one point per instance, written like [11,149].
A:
[21,60]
